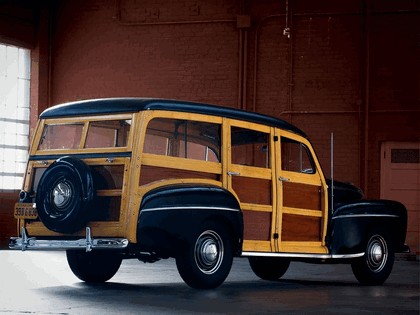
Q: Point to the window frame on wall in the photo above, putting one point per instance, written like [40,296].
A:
[15,73]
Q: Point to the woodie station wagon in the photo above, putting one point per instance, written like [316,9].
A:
[111,179]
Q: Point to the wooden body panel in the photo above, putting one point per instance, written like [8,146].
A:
[298,195]
[300,228]
[252,190]
[257,225]
[278,215]
[150,174]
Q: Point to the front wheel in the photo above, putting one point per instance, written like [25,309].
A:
[95,266]
[206,261]
[376,265]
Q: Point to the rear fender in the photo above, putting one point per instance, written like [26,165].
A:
[169,215]
[352,224]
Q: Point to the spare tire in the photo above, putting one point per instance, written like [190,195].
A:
[64,193]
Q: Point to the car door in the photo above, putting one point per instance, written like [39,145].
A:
[302,196]
[251,177]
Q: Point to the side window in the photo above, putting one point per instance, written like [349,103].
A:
[183,138]
[61,136]
[295,157]
[250,147]
[110,133]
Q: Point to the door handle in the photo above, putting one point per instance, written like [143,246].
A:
[234,173]
[284,179]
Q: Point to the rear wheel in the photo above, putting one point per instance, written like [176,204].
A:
[206,261]
[94,266]
[268,268]
[376,265]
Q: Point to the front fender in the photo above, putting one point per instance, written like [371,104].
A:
[169,215]
[352,224]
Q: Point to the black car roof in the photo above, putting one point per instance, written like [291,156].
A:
[130,105]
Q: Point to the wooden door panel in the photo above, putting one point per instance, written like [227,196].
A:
[302,197]
[299,228]
[252,190]
[257,225]
[297,195]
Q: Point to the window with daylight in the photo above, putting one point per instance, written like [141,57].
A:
[14,115]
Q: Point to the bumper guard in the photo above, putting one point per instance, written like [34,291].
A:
[32,243]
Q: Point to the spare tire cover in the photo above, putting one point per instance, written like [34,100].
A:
[64,193]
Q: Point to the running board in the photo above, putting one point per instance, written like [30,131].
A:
[301,255]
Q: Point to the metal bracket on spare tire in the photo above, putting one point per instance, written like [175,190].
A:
[64,193]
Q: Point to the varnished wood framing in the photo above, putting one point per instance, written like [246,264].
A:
[81,149]
[315,212]
[250,243]
[100,228]
[139,159]
[268,216]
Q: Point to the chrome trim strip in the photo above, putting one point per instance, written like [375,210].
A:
[46,157]
[88,243]
[301,255]
[189,208]
[364,215]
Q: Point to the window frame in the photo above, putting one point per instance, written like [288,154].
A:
[182,143]
[246,170]
[81,147]
[149,159]
[302,148]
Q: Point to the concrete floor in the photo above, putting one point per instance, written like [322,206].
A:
[42,283]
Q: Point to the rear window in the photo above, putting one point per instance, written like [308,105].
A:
[100,134]
[104,134]
[61,136]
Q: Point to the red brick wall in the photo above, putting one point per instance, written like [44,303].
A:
[337,63]
[394,89]
[95,55]
[305,79]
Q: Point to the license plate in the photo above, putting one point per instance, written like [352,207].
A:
[25,211]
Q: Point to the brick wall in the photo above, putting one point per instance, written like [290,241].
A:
[95,55]
[317,79]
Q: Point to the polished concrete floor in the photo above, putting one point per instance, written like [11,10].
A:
[42,283]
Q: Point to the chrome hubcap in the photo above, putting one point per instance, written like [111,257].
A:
[377,253]
[208,252]
[61,194]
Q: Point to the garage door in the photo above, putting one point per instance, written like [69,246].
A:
[400,180]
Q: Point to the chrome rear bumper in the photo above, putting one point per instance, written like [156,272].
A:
[88,243]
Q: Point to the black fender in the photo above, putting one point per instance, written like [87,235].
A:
[352,224]
[169,215]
